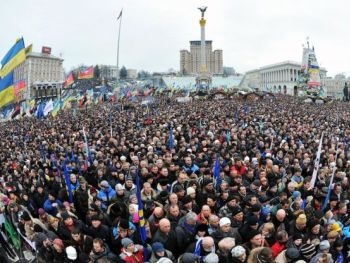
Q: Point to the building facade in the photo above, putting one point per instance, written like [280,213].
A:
[190,61]
[335,86]
[108,72]
[131,73]
[278,78]
[43,75]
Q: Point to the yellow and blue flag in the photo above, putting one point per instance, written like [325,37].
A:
[7,92]
[14,57]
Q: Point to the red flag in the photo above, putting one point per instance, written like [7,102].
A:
[69,80]
[16,112]
[18,89]
[87,73]
[82,101]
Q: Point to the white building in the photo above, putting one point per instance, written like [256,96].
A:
[131,73]
[335,86]
[278,78]
[43,75]
[108,71]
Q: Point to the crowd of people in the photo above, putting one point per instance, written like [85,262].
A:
[72,185]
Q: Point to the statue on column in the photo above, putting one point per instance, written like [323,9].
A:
[202,9]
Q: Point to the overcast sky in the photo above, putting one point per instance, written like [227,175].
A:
[251,33]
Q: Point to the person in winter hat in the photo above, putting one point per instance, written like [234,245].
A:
[159,252]
[131,253]
[238,254]
[72,256]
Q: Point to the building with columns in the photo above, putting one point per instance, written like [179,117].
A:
[108,71]
[278,78]
[43,75]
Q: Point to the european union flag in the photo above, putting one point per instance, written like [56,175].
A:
[217,173]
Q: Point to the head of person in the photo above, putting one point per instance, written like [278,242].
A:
[282,237]
[128,245]
[255,238]
[239,253]
[225,224]
[300,222]
[264,255]
[226,244]
[164,226]
[208,244]
[292,254]
[158,249]
[76,234]
[98,246]
[280,215]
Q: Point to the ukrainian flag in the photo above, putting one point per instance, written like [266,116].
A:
[15,56]
[56,108]
[7,91]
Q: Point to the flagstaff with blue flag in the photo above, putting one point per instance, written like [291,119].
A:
[171,139]
[68,183]
[216,173]
[87,147]
[142,226]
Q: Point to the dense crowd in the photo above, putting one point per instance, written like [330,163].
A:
[263,208]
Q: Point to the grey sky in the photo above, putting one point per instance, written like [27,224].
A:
[251,33]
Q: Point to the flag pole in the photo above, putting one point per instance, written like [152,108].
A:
[120,24]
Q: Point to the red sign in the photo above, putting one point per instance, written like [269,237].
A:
[46,50]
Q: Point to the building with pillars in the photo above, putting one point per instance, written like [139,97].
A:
[43,74]
[278,78]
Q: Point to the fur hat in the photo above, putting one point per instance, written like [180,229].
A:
[211,258]
[237,251]
[190,190]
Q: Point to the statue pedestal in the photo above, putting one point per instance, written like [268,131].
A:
[203,81]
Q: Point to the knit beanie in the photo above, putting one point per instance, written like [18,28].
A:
[308,250]
[301,220]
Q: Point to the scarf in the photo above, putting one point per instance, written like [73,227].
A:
[189,228]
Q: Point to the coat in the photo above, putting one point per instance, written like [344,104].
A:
[135,257]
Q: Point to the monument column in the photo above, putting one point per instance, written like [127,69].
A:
[202,21]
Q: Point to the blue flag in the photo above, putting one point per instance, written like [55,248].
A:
[140,204]
[216,172]
[67,179]
[171,139]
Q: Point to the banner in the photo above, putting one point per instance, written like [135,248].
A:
[15,56]
[315,79]
[87,73]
